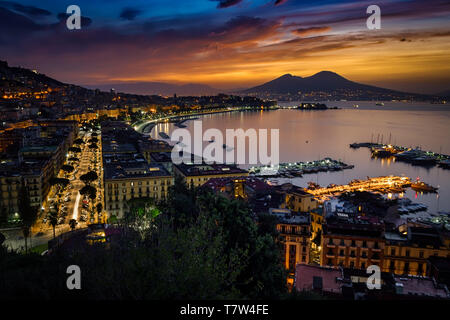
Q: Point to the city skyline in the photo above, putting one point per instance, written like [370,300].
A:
[225,157]
[239,44]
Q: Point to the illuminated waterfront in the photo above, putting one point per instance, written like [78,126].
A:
[312,135]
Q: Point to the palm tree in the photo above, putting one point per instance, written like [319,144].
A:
[53,220]
[73,223]
[27,214]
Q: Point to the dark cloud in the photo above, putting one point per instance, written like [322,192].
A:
[244,29]
[129,13]
[226,3]
[28,10]
[279,2]
[14,25]
[356,12]
[219,46]
[312,30]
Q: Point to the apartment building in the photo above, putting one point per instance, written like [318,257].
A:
[130,178]
[195,175]
[408,252]
[295,235]
[352,243]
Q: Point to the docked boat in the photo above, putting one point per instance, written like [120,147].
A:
[425,160]
[408,155]
[444,164]
[381,152]
[422,187]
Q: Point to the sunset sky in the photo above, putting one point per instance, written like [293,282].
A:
[231,43]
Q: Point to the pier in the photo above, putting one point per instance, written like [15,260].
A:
[390,184]
[297,169]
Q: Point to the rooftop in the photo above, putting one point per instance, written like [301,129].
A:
[161,157]
[113,146]
[133,169]
[254,184]
[356,226]
[38,149]
[286,216]
[419,286]
[208,169]
[308,277]
[30,167]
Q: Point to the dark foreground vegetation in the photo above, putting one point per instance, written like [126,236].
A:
[200,246]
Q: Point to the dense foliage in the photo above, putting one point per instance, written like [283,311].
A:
[198,245]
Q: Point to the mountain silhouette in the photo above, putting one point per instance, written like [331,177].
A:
[326,81]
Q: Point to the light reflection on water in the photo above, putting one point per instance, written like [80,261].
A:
[311,135]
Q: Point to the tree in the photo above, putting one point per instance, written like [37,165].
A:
[62,182]
[67,168]
[99,208]
[27,214]
[218,253]
[141,215]
[262,275]
[75,149]
[53,219]
[74,159]
[93,140]
[93,146]
[90,191]
[89,177]
[267,224]
[73,224]
[78,141]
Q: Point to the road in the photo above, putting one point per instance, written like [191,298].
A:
[42,232]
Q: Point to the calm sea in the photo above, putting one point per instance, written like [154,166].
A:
[312,135]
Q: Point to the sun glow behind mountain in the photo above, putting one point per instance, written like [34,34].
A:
[233,44]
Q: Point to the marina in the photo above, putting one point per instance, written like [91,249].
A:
[414,156]
[324,131]
[297,169]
